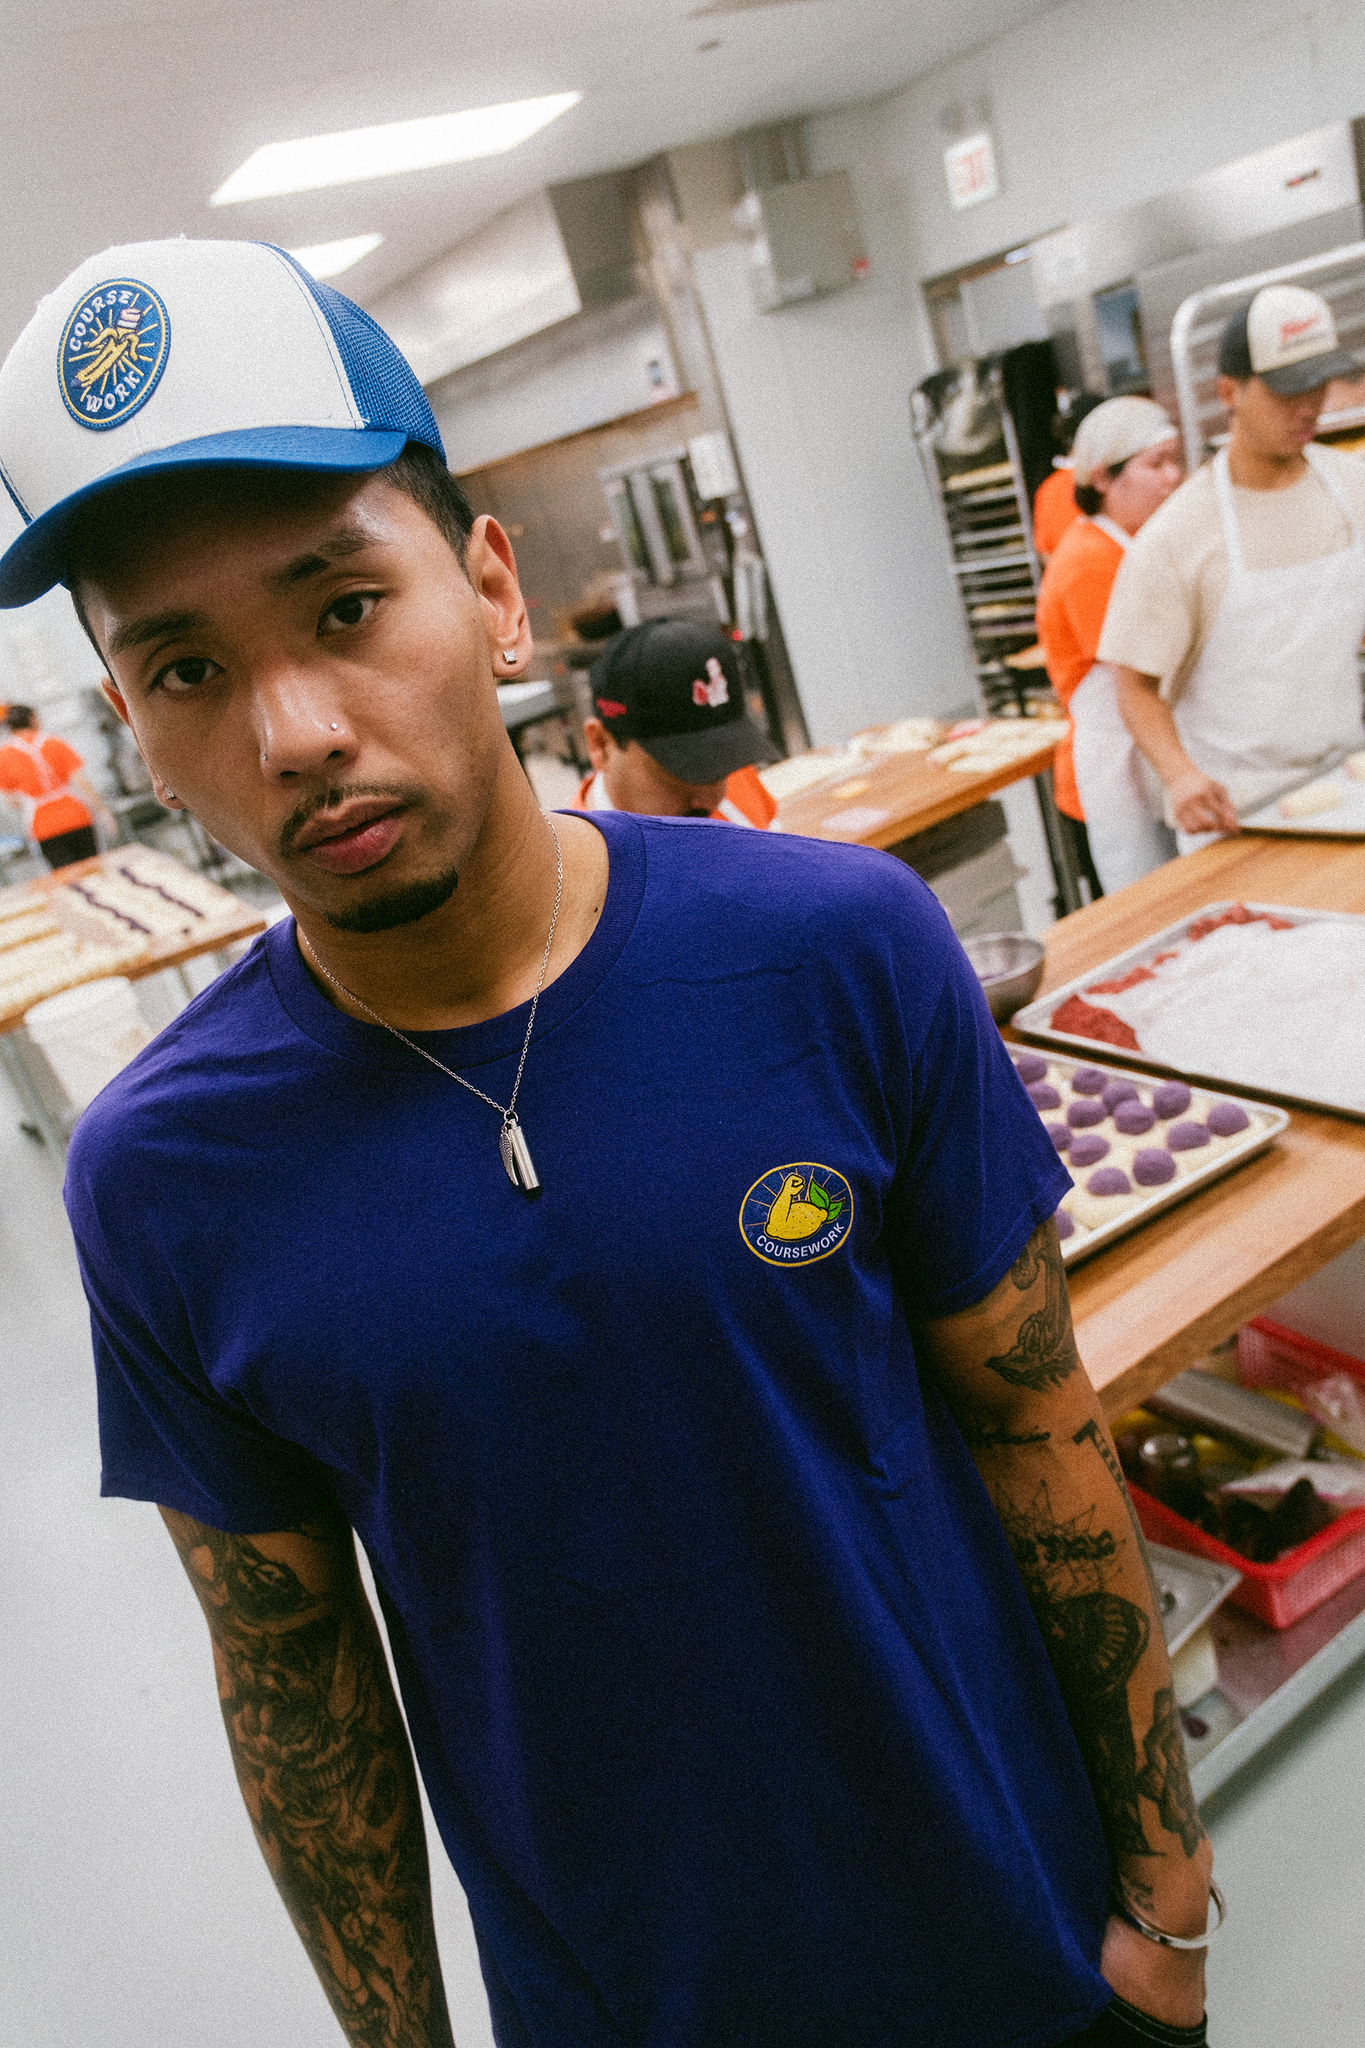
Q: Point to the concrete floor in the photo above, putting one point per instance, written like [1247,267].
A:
[137,1912]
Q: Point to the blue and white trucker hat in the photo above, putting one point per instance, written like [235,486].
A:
[178,355]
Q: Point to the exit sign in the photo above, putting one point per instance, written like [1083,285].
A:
[970,169]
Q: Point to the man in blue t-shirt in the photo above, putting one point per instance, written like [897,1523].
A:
[643,1244]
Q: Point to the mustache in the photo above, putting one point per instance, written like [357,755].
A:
[332,798]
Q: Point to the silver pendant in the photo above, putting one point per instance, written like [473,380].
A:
[516,1157]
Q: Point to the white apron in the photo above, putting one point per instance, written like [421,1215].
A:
[51,784]
[1276,691]
[1127,839]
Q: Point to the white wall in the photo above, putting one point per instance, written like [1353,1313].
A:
[1098,104]
[1095,104]
[818,396]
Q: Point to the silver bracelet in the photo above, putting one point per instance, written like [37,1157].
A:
[1150,1933]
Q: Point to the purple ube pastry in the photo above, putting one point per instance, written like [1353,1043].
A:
[1088,1148]
[1133,1118]
[1186,1137]
[1060,1135]
[1043,1096]
[1087,1081]
[1172,1098]
[1116,1092]
[1030,1066]
[1064,1223]
[1152,1167]
[1110,1180]
[1082,1114]
[1227,1118]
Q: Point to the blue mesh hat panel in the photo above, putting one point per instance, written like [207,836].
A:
[382,381]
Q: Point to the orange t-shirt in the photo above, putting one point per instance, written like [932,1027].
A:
[1072,601]
[1054,510]
[744,790]
[21,775]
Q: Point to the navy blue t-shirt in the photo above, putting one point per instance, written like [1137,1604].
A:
[733,1715]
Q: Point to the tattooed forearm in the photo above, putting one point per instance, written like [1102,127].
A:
[1165,1779]
[1043,1353]
[323,1762]
[1095,1640]
[980,1433]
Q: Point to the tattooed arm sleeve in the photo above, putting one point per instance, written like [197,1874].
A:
[323,1762]
[1010,1372]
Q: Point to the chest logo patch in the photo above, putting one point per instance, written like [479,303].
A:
[113,349]
[797,1213]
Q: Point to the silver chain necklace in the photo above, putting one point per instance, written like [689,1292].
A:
[516,1153]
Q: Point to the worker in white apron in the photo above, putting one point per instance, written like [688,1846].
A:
[1273,695]
[44,783]
[1127,462]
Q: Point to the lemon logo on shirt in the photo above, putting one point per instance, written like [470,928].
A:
[797,1213]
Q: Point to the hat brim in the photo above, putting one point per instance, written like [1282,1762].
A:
[37,560]
[1296,378]
[701,757]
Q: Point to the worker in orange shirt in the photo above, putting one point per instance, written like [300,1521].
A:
[671,737]
[1126,463]
[40,775]
[1054,501]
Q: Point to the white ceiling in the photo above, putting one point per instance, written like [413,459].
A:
[118,118]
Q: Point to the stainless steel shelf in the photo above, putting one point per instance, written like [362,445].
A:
[1266,1677]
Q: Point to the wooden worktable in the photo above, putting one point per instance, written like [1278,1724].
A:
[1161,1297]
[884,801]
[238,921]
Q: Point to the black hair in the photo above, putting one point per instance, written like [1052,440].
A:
[1088,498]
[20,717]
[418,473]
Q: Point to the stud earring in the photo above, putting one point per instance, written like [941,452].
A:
[509,654]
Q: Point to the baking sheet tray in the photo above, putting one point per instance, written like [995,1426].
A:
[1098,1223]
[1191,1589]
[1346,819]
[1034,1020]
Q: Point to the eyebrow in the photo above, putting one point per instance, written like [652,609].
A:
[154,626]
[338,544]
[169,625]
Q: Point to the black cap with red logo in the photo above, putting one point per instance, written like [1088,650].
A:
[674,685]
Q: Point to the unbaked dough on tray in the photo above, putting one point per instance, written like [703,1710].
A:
[1134,1144]
[1258,996]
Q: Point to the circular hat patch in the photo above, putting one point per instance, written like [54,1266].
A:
[795,1214]
[113,350]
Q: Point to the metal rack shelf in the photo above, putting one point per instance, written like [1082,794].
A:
[1266,1677]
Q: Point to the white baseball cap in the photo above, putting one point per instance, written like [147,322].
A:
[180,355]
[1116,431]
[1288,338]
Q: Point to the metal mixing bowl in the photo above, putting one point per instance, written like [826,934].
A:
[1009,968]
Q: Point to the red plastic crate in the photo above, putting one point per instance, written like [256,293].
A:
[1280,1593]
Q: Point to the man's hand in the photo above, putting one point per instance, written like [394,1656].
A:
[1199,804]
[1168,1983]
[1010,1372]
[323,1762]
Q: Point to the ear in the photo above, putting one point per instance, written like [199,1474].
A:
[1229,390]
[491,568]
[598,741]
[114,696]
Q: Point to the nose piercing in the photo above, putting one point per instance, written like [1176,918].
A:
[334,725]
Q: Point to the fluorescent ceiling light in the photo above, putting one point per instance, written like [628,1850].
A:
[329,259]
[317,160]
